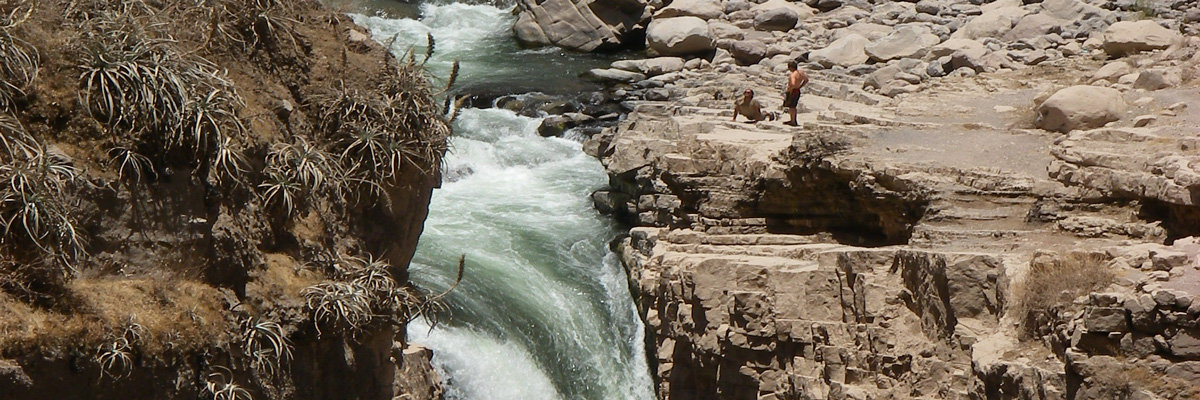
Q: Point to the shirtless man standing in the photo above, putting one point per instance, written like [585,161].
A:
[796,80]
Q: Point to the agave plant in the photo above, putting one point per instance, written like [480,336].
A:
[115,356]
[338,304]
[219,385]
[18,59]
[267,345]
[33,202]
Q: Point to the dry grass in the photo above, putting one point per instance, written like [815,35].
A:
[1055,280]
[173,314]
[1124,379]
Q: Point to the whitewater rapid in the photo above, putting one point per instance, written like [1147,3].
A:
[544,311]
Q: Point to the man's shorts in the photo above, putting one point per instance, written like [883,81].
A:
[792,98]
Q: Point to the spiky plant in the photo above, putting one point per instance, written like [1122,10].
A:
[266,344]
[219,385]
[33,203]
[131,166]
[115,356]
[340,305]
[18,59]
[14,140]
[279,190]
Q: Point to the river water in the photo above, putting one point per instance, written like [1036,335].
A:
[543,311]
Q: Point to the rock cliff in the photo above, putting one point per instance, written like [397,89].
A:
[925,232]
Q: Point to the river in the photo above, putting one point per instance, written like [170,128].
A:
[544,311]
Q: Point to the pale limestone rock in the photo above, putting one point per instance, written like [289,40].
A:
[1080,107]
[847,51]
[583,25]
[1128,37]
[703,9]
[679,36]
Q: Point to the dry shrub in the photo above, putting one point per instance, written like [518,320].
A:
[1122,380]
[173,314]
[1055,280]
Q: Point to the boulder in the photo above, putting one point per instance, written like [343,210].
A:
[651,66]
[1156,79]
[904,42]
[847,51]
[1034,25]
[869,30]
[555,125]
[679,36]
[1072,10]
[1111,71]
[779,15]
[993,23]
[1080,107]
[881,77]
[583,25]
[1127,37]
[776,19]
[748,52]
[953,45]
[931,7]
[614,75]
[975,58]
[703,9]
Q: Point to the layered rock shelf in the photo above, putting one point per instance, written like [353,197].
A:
[951,219]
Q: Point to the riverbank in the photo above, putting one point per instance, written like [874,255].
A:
[944,224]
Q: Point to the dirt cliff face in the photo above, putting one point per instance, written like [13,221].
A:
[213,200]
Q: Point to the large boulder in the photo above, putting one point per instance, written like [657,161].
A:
[679,36]
[904,42]
[779,15]
[847,51]
[951,46]
[1034,25]
[994,23]
[703,9]
[1080,107]
[1158,78]
[748,52]
[583,25]
[1128,37]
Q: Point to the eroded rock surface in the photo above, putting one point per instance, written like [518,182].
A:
[918,235]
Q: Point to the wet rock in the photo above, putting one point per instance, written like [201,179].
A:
[555,125]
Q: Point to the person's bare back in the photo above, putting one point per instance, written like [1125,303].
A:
[791,98]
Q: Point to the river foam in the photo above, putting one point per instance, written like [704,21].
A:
[544,311]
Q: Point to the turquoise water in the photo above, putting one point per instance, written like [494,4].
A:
[543,311]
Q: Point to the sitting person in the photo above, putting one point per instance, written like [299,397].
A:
[749,107]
